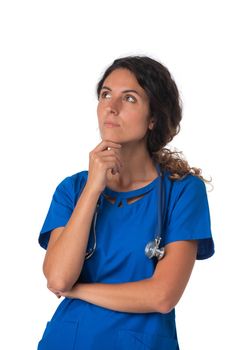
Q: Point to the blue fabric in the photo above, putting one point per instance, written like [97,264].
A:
[122,231]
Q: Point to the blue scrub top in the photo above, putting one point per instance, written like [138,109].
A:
[123,229]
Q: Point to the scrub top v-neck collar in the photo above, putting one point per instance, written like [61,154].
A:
[122,196]
[136,192]
[131,193]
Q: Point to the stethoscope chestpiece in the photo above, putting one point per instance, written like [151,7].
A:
[152,249]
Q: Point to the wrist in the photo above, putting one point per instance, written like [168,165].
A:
[90,189]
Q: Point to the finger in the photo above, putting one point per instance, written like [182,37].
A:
[110,152]
[111,165]
[105,144]
[113,158]
[119,162]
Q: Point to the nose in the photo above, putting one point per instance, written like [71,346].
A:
[113,106]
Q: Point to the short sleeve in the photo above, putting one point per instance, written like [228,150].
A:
[189,217]
[60,210]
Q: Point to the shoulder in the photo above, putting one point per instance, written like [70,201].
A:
[187,183]
[73,182]
[190,188]
[78,179]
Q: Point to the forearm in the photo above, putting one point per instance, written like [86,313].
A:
[135,297]
[64,261]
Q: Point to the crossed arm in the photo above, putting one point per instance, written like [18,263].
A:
[159,293]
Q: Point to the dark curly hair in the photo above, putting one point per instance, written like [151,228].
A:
[165,108]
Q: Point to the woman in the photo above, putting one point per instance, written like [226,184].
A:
[118,298]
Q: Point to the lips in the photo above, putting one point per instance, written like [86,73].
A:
[113,124]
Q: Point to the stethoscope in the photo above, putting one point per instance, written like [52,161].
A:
[152,248]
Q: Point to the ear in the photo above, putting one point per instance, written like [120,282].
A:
[151,124]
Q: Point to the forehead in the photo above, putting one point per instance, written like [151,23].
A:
[123,79]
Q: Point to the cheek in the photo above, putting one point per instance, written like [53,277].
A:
[138,117]
[99,110]
[138,122]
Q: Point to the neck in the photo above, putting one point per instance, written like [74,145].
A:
[137,167]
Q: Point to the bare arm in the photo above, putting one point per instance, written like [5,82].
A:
[67,245]
[160,293]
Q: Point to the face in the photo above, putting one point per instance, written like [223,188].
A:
[123,101]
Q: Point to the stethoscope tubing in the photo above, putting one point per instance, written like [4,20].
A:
[152,248]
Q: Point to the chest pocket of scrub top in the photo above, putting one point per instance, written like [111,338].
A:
[129,339]
[59,335]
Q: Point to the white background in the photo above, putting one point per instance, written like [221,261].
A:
[52,56]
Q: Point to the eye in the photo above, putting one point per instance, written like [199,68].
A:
[133,99]
[103,95]
[129,98]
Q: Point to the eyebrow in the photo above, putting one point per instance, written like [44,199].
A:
[128,90]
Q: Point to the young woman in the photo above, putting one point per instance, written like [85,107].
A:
[115,296]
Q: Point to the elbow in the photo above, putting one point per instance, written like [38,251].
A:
[58,286]
[164,304]
[165,307]
[55,282]
[58,283]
